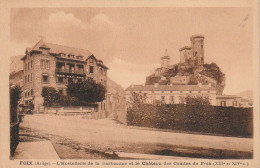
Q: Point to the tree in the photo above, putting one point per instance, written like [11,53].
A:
[198,100]
[15,96]
[87,90]
[51,96]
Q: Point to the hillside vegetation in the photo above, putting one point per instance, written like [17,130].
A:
[211,71]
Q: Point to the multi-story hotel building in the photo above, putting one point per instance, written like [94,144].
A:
[54,65]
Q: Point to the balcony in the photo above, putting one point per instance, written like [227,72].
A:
[70,71]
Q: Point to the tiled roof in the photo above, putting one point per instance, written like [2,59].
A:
[169,88]
[56,48]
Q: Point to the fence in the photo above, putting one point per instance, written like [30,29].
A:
[70,110]
[228,121]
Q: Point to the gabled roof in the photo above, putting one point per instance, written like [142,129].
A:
[169,88]
[57,49]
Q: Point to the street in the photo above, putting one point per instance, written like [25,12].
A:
[106,135]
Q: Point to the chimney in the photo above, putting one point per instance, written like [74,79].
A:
[156,85]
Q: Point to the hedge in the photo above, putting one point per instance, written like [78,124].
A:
[227,121]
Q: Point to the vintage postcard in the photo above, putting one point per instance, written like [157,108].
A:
[130,83]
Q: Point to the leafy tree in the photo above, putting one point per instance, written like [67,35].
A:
[51,96]
[137,99]
[87,90]
[198,100]
[15,96]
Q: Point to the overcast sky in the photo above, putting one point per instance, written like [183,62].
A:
[132,40]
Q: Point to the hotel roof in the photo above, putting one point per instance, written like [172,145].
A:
[169,88]
[57,49]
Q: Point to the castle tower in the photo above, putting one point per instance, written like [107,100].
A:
[185,54]
[165,60]
[197,50]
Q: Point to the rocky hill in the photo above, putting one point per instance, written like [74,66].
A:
[114,88]
[247,94]
[210,73]
[16,63]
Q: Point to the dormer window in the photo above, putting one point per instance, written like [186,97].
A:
[62,55]
[90,60]
[79,57]
[71,56]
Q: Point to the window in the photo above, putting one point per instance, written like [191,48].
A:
[60,79]
[91,69]
[31,64]
[79,57]
[60,91]
[28,78]
[172,99]
[163,98]
[47,64]
[25,94]
[190,91]
[171,92]
[90,60]
[223,103]
[42,63]
[162,91]
[28,66]
[31,91]
[104,106]
[234,103]
[45,78]
[31,77]
[180,91]
[140,91]
[208,91]
[70,80]
[25,79]
[25,67]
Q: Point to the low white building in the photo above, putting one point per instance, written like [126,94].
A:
[171,94]
[229,101]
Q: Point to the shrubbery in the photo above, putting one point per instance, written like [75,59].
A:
[228,121]
[85,93]
[15,96]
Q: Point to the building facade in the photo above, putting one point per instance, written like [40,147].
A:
[54,65]
[171,94]
[229,101]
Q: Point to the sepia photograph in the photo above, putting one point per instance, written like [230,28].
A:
[132,83]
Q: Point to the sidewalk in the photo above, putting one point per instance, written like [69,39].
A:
[35,150]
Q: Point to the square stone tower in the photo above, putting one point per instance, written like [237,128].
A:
[185,54]
[165,60]
[197,50]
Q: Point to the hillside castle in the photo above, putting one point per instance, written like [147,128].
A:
[190,56]
[191,69]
